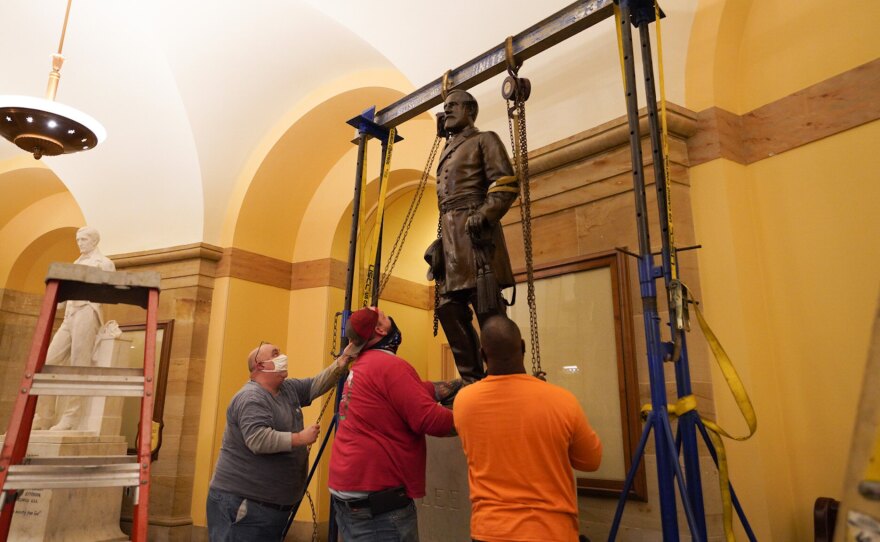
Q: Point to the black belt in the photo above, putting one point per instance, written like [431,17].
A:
[461,203]
[380,502]
[282,507]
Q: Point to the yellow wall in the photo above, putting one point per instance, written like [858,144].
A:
[790,263]
[744,54]
[789,276]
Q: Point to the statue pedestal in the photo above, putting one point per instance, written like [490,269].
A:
[69,515]
[445,512]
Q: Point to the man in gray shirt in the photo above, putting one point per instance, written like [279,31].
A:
[261,470]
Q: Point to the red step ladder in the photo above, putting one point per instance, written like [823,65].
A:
[79,282]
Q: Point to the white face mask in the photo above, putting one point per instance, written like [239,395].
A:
[280,365]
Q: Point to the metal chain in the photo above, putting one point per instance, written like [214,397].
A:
[410,216]
[333,353]
[436,285]
[525,210]
[368,284]
[397,248]
[327,401]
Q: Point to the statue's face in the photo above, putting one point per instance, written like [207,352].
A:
[85,242]
[458,115]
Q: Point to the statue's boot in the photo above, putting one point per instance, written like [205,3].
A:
[463,340]
[45,413]
[71,417]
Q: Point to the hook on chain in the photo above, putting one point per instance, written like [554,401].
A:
[512,65]
[444,84]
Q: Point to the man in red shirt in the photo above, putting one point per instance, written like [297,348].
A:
[377,466]
[522,437]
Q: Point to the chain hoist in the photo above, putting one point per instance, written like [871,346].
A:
[517,90]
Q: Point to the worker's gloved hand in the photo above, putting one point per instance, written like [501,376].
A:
[478,227]
[445,392]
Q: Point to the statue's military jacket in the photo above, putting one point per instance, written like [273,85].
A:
[474,174]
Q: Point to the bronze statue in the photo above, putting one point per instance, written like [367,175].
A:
[475,188]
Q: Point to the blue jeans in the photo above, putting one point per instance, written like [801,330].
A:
[360,525]
[232,518]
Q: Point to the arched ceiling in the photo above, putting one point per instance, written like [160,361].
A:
[189,91]
[24,182]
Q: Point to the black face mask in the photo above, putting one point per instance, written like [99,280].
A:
[392,340]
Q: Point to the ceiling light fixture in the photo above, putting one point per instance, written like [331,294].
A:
[45,127]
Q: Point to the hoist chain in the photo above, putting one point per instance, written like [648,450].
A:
[368,285]
[327,401]
[410,216]
[436,282]
[333,355]
[517,113]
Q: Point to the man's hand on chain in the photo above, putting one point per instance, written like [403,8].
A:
[306,436]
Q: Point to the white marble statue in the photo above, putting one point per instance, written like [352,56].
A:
[74,342]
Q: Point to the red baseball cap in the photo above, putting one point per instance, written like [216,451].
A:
[361,325]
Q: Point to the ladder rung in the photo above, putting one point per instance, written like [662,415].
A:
[87,384]
[81,460]
[71,476]
[92,371]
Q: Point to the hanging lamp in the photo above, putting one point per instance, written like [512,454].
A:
[45,127]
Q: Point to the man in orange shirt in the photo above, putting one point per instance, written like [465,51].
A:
[521,436]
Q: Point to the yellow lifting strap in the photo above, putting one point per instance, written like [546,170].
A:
[617,24]
[505,184]
[689,403]
[664,138]
[380,213]
[362,237]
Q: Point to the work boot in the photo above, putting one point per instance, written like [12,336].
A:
[463,340]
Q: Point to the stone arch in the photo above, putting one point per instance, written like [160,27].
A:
[38,221]
[29,270]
